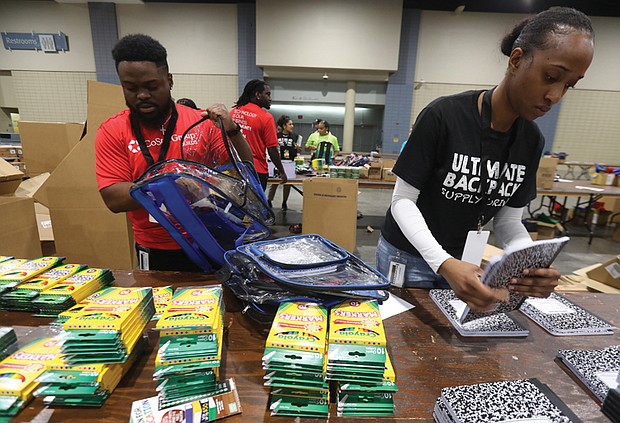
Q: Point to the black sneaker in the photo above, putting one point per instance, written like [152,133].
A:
[284,207]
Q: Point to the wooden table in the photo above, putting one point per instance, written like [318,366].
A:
[426,351]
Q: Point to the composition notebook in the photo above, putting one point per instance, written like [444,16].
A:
[501,269]
[497,325]
[597,369]
[525,400]
[561,317]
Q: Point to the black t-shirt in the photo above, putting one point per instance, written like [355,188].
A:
[288,145]
[446,158]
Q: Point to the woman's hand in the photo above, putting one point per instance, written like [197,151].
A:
[536,283]
[464,278]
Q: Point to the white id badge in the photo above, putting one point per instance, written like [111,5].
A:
[396,273]
[474,246]
[143,260]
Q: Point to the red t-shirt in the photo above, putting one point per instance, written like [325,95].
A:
[259,129]
[119,159]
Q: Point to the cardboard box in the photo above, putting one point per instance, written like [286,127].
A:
[375,169]
[330,210]
[45,144]
[607,273]
[387,163]
[85,231]
[44,222]
[364,171]
[547,168]
[388,175]
[18,228]
[10,177]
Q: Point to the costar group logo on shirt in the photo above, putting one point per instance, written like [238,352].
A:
[133,146]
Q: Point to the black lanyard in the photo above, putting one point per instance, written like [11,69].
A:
[137,131]
[486,135]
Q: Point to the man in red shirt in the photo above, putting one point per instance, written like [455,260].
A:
[149,131]
[259,128]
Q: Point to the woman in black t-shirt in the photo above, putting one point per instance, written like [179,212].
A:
[289,144]
[472,157]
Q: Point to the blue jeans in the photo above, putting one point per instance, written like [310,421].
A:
[418,273]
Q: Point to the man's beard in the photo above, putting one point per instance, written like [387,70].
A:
[154,120]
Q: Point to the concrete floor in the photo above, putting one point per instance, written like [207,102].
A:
[373,203]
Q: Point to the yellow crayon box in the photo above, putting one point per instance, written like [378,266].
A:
[356,322]
[193,307]
[299,326]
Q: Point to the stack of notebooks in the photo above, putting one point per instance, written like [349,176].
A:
[19,371]
[294,361]
[515,400]
[20,298]
[495,325]
[26,270]
[191,333]
[597,369]
[357,358]
[8,341]
[561,317]
[82,385]
[108,329]
[611,405]
[71,291]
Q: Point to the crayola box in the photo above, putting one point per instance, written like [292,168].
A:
[72,290]
[51,277]
[20,298]
[105,331]
[27,270]
[299,326]
[161,296]
[193,308]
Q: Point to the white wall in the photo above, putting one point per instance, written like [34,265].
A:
[465,49]
[345,34]
[199,38]
[48,16]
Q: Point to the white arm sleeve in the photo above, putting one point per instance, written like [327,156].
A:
[508,228]
[411,222]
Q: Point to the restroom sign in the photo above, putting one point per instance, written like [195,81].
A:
[49,43]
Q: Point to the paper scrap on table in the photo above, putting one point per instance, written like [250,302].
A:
[564,180]
[590,188]
[394,305]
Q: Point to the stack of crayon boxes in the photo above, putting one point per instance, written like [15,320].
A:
[17,273]
[294,361]
[358,360]
[19,371]
[71,291]
[100,343]
[191,333]
[22,296]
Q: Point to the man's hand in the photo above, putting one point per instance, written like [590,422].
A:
[536,283]
[464,278]
[218,110]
